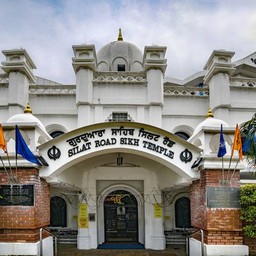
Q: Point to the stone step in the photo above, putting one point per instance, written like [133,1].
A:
[71,250]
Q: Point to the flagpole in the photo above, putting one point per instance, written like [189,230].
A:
[4,147]
[234,169]
[223,176]
[5,168]
[12,177]
[237,145]
[16,165]
[230,159]
[222,151]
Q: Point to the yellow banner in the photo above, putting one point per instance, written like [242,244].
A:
[83,216]
[157,211]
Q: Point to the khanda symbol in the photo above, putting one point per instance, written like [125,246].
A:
[186,156]
[54,153]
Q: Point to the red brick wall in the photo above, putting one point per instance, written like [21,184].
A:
[251,242]
[198,204]
[224,237]
[220,225]
[22,223]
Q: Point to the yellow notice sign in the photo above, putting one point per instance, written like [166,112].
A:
[83,216]
[157,211]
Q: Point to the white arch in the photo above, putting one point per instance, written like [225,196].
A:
[157,150]
[55,127]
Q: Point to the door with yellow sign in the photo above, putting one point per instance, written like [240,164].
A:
[121,217]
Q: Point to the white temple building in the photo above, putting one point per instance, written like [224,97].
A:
[122,147]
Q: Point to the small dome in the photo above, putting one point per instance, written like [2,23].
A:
[26,117]
[119,56]
[210,121]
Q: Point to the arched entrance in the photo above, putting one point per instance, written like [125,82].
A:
[121,217]
[182,213]
[154,160]
[58,212]
[131,203]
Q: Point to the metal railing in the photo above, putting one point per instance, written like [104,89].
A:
[202,241]
[41,242]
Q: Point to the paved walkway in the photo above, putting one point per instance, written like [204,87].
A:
[71,250]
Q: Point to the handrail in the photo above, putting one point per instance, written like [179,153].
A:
[202,241]
[41,241]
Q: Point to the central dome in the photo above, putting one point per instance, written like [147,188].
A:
[119,56]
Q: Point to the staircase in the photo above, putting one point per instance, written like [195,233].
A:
[174,237]
[65,236]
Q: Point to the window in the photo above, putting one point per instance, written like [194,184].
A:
[56,134]
[120,67]
[119,117]
[182,213]
[182,135]
[58,212]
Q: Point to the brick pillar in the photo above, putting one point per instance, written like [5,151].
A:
[221,226]
[22,223]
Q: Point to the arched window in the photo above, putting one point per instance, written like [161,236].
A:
[58,212]
[56,134]
[182,212]
[182,135]
[119,64]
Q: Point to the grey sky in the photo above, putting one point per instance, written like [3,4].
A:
[191,30]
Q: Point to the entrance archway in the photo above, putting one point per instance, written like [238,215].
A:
[121,217]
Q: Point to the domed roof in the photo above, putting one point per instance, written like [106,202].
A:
[26,117]
[210,121]
[119,52]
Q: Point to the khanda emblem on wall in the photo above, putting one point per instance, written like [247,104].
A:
[186,156]
[54,153]
[116,199]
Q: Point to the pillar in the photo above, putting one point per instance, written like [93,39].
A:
[215,209]
[84,64]
[25,208]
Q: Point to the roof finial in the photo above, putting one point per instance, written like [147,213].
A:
[209,114]
[28,109]
[120,36]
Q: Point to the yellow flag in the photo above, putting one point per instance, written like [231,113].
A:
[2,140]
[237,145]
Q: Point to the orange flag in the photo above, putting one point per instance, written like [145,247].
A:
[2,140]
[237,145]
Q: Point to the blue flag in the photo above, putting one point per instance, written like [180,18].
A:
[22,148]
[222,148]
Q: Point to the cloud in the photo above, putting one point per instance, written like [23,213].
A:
[191,30]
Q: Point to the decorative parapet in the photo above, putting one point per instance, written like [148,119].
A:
[186,91]
[116,77]
[53,90]
[243,83]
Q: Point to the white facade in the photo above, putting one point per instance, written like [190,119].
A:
[125,93]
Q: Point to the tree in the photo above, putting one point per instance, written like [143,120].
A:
[248,132]
[248,209]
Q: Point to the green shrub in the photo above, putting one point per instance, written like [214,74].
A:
[248,209]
